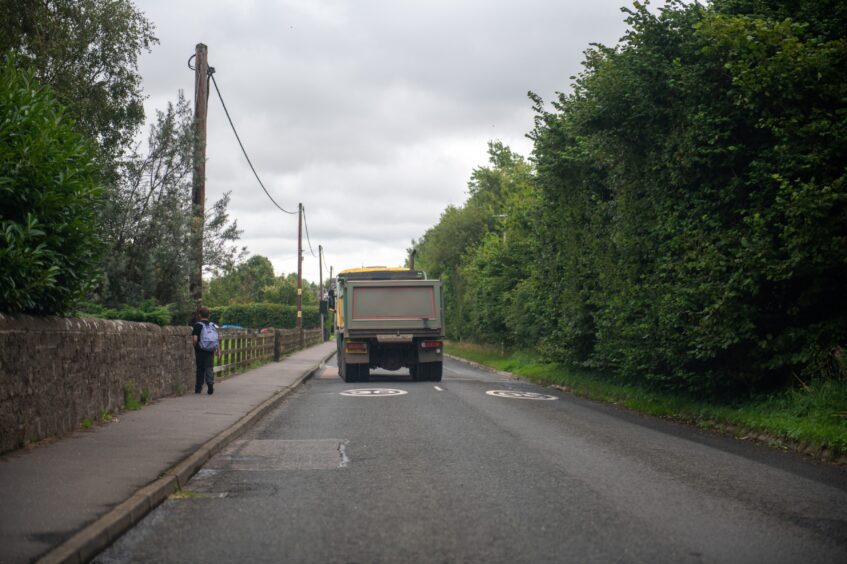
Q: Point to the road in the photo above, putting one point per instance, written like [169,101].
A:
[445,472]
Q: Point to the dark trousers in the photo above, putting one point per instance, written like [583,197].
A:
[205,368]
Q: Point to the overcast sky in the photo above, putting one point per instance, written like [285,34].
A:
[372,113]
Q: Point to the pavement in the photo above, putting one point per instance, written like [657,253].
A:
[66,500]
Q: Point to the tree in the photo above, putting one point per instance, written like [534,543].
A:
[253,281]
[87,51]
[694,185]
[48,200]
[147,221]
[242,283]
[475,249]
[284,291]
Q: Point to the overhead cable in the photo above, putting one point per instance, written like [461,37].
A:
[306,225]
[211,74]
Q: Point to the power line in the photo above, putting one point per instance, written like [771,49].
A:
[232,125]
[307,233]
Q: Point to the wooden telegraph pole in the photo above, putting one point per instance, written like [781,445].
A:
[300,274]
[321,287]
[198,192]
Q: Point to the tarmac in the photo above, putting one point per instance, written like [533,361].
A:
[68,499]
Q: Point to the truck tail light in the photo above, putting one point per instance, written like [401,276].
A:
[427,345]
[354,347]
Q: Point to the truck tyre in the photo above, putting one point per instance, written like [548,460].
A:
[435,371]
[429,372]
[356,372]
[351,372]
[364,374]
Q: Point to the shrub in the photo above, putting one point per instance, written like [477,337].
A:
[260,315]
[48,200]
[147,312]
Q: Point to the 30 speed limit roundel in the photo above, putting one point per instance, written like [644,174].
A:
[516,394]
[373,393]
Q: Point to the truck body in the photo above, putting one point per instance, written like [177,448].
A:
[390,318]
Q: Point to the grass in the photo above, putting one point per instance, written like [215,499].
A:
[812,419]
[130,403]
[184,494]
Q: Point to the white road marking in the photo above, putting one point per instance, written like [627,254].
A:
[438,388]
[373,393]
[515,394]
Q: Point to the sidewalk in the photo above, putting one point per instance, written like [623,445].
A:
[67,500]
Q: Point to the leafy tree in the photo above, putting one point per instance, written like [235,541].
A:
[87,51]
[147,221]
[253,281]
[284,291]
[242,283]
[696,178]
[465,249]
[48,200]
[685,220]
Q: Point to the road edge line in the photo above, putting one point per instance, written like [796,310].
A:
[97,536]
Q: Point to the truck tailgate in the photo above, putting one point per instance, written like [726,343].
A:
[394,305]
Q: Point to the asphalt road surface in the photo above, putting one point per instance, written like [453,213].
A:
[447,472]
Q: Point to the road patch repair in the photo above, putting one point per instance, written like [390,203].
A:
[263,455]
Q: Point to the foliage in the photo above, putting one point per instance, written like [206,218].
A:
[685,220]
[147,222]
[260,315]
[48,200]
[283,290]
[253,281]
[87,51]
[699,168]
[242,283]
[480,252]
[147,312]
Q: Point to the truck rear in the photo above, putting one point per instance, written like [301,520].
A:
[390,318]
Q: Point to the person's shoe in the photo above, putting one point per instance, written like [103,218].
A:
[211,390]
[198,390]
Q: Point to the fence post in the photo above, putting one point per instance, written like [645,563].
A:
[277,345]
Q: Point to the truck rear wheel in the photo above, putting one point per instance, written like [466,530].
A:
[355,372]
[429,371]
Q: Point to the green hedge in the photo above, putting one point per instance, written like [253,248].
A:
[148,312]
[256,316]
[49,250]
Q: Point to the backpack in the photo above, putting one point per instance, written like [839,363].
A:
[208,340]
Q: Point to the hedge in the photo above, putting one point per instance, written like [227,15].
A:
[256,316]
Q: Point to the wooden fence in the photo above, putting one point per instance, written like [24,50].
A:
[242,348]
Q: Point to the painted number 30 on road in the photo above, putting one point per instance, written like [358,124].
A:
[515,394]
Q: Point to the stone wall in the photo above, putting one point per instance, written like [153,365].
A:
[56,372]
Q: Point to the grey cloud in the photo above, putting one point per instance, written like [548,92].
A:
[373,113]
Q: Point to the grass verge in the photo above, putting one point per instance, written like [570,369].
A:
[812,419]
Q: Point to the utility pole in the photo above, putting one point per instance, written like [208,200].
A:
[300,273]
[198,192]
[321,287]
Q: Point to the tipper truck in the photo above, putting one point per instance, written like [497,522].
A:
[390,318]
